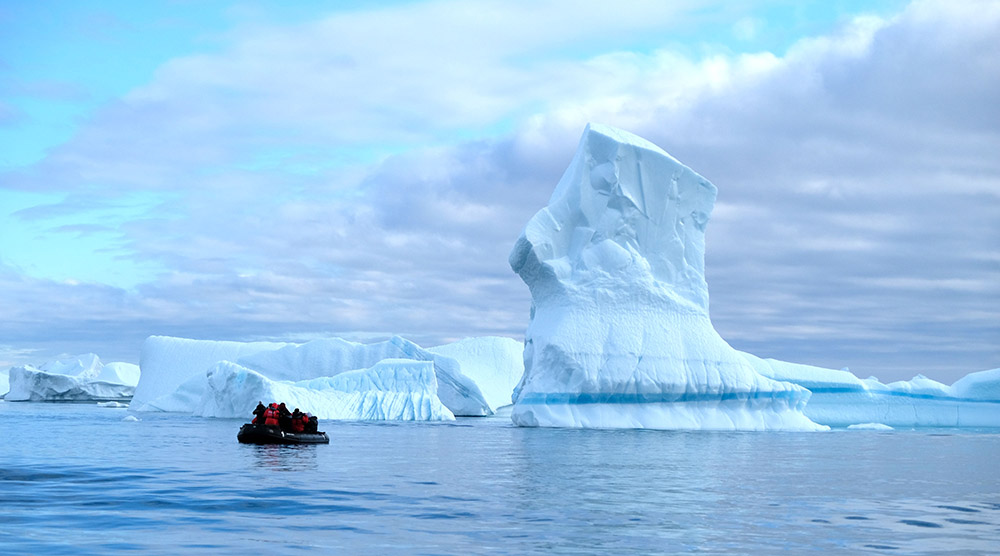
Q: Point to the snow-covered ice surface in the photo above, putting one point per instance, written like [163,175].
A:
[332,356]
[34,385]
[620,335]
[495,364]
[840,399]
[120,373]
[393,389]
[167,362]
[80,378]
[89,367]
[189,362]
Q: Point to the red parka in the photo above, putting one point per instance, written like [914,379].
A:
[271,416]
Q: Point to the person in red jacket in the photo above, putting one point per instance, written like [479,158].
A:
[298,421]
[271,415]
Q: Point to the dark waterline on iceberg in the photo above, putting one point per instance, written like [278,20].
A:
[77,479]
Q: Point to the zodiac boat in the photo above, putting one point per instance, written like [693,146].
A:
[267,434]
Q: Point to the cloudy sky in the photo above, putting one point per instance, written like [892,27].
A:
[251,170]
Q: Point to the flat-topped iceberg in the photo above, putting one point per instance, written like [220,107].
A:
[332,356]
[620,334]
[177,369]
[393,389]
[80,378]
[495,364]
[840,399]
[167,362]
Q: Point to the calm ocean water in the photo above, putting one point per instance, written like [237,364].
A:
[77,479]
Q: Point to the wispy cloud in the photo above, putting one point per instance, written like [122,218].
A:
[9,114]
[856,172]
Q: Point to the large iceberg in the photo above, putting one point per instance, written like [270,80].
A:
[620,334]
[495,364]
[176,369]
[80,378]
[332,356]
[841,399]
[393,389]
[167,362]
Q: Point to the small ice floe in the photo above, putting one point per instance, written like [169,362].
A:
[130,419]
[111,404]
[870,427]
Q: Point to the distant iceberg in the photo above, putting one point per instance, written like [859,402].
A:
[328,357]
[393,389]
[840,399]
[178,372]
[167,362]
[620,335]
[81,378]
[870,427]
[495,364]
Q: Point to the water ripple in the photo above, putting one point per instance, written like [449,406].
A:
[487,487]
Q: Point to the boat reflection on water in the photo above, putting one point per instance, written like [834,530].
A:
[282,457]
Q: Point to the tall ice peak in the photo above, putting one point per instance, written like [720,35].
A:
[624,209]
[620,334]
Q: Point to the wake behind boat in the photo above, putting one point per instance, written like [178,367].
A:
[269,434]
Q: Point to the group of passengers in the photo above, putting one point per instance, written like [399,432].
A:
[277,415]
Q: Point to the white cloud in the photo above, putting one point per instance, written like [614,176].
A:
[852,170]
[748,28]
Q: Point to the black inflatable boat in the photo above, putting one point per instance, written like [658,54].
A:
[264,434]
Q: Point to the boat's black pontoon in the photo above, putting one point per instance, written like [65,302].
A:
[267,434]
